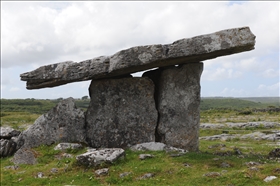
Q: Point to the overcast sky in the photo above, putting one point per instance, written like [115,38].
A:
[41,33]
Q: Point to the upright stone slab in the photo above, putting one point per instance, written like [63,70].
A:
[121,113]
[178,100]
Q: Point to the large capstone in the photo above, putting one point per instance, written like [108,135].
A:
[139,58]
[63,123]
[121,113]
[178,98]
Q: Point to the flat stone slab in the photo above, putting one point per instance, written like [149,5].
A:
[95,158]
[139,58]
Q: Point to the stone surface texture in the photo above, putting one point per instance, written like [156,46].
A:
[156,146]
[7,147]
[95,158]
[65,146]
[63,123]
[8,133]
[121,113]
[178,99]
[139,58]
[25,156]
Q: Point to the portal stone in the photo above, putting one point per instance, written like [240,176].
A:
[178,98]
[121,113]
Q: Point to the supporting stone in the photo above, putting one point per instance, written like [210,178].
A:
[121,112]
[178,98]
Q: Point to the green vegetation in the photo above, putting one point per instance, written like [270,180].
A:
[236,103]
[212,157]
[168,170]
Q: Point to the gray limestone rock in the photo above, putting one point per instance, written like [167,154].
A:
[156,146]
[102,172]
[178,98]
[95,158]
[139,58]
[121,112]
[7,147]
[8,133]
[63,123]
[25,156]
[65,146]
[145,156]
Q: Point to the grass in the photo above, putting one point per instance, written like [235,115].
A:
[168,170]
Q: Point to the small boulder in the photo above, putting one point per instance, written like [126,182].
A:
[95,158]
[275,153]
[212,174]
[65,146]
[122,175]
[25,156]
[145,156]
[156,146]
[269,178]
[102,172]
[146,176]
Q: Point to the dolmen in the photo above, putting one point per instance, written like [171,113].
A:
[161,106]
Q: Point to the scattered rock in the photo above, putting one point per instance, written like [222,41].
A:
[54,170]
[102,172]
[121,113]
[219,145]
[254,135]
[223,153]
[176,155]
[63,123]
[64,155]
[145,156]
[254,169]
[146,176]
[149,146]
[122,175]
[269,178]
[7,147]
[212,174]
[222,137]
[65,146]
[25,156]
[251,163]
[277,171]
[262,124]
[40,175]
[107,155]
[156,146]
[225,165]
[13,167]
[187,165]
[275,153]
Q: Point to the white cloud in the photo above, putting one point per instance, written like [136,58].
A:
[220,74]
[268,90]
[40,33]
[232,92]
[14,89]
